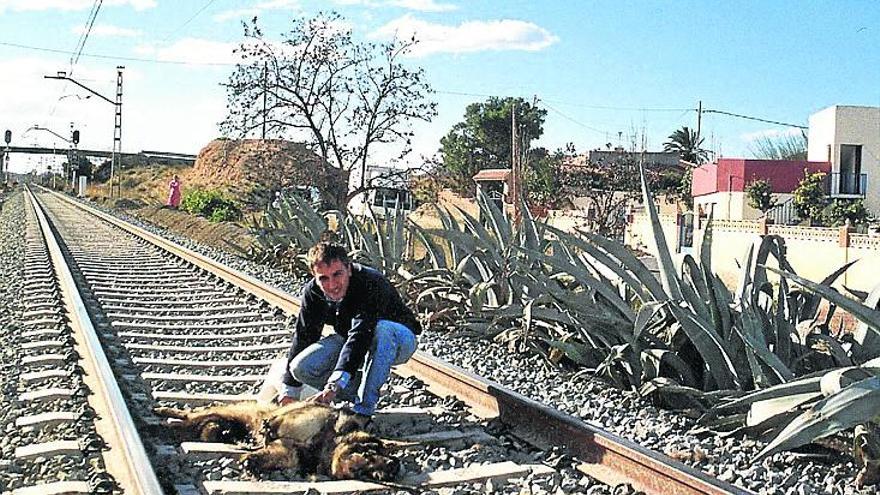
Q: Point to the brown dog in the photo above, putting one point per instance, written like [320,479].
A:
[311,437]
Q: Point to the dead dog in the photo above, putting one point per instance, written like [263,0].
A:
[313,438]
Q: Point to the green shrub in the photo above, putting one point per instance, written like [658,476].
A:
[809,196]
[225,213]
[760,195]
[211,204]
[841,210]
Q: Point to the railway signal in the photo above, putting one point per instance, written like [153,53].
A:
[4,160]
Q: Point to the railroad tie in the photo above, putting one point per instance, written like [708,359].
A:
[56,488]
[43,344]
[47,394]
[48,449]
[44,332]
[44,321]
[211,450]
[46,420]
[46,310]
[35,376]
[498,472]
[53,359]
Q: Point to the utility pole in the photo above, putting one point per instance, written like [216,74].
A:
[4,165]
[699,119]
[70,160]
[265,91]
[116,158]
[117,117]
[514,172]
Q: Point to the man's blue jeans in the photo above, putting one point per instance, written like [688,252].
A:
[392,344]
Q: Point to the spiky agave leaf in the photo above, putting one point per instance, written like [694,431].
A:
[709,345]
[664,258]
[856,404]
[867,335]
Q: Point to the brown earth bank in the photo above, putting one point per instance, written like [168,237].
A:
[227,236]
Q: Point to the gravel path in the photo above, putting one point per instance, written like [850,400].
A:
[11,272]
[620,412]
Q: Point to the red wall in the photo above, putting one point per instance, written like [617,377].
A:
[734,174]
[705,180]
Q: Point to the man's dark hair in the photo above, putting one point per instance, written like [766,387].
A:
[326,252]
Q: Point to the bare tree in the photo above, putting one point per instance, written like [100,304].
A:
[607,189]
[319,85]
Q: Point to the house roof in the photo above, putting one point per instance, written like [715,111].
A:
[488,174]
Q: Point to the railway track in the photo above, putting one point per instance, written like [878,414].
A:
[180,330]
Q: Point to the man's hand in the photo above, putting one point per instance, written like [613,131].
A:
[326,396]
[286,400]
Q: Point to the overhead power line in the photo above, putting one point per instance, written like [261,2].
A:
[568,103]
[776,122]
[85,34]
[566,117]
[116,57]
[208,4]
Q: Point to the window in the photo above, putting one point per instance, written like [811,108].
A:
[390,198]
[850,168]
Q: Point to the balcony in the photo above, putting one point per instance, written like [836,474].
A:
[847,185]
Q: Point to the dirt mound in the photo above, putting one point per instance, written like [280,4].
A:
[252,169]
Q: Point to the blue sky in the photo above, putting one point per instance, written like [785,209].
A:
[603,70]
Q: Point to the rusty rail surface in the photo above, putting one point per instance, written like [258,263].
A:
[605,456]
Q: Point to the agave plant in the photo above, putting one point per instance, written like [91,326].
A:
[284,234]
[828,402]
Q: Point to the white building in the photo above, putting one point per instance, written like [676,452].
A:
[388,190]
[849,138]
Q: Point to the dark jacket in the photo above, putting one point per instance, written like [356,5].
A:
[370,297]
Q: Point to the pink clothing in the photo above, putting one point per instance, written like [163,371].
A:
[174,193]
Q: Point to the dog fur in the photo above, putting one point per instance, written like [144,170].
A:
[311,437]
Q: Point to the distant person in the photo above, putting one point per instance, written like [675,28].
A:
[174,193]
[373,330]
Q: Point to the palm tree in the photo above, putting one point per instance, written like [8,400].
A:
[685,142]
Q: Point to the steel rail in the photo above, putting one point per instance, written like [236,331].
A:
[131,467]
[607,457]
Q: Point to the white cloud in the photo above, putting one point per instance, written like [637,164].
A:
[470,36]
[418,5]
[195,50]
[423,5]
[109,31]
[69,5]
[257,10]
[229,15]
[770,133]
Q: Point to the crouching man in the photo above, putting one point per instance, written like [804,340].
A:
[374,330]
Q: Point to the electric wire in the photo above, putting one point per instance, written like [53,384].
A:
[566,117]
[117,57]
[176,31]
[90,23]
[747,117]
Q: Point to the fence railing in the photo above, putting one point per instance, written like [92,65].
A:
[844,183]
[784,213]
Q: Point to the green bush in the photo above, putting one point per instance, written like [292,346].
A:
[841,210]
[225,213]
[211,204]
[809,196]
[760,195]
